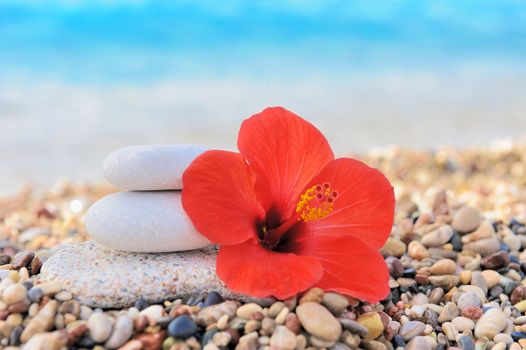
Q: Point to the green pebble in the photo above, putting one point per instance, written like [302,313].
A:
[168,342]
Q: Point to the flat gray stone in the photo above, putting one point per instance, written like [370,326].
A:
[150,167]
[144,222]
[106,278]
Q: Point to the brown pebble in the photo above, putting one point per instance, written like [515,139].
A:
[35,265]
[446,281]
[5,259]
[472,312]
[384,318]
[396,269]
[314,295]
[181,310]
[252,326]
[3,314]
[443,267]
[131,345]
[18,308]
[495,261]
[514,266]
[22,259]
[45,213]
[267,326]
[75,331]
[417,251]
[293,323]
[151,341]
[70,307]
[234,334]
[467,219]
[485,247]
[440,206]
[518,294]
[393,247]
[257,316]
[435,297]
[211,314]
[422,279]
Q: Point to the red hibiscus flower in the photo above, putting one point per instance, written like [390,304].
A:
[287,216]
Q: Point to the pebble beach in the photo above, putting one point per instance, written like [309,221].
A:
[456,258]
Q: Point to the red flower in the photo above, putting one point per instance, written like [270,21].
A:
[288,216]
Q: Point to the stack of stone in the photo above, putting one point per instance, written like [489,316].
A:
[145,246]
[148,216]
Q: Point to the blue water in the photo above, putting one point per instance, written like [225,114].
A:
[148,40]
[79,78]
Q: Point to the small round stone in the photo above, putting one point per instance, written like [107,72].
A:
[245,311]
[283,338]
[63,296]
[373,322]
[438,237]
[411,329]
[221,339]
[449,312]
[462,323]
[443,267]
[141,304]
[336,303]
[504,338]
[122,332]
[276,308]
[153,312]
[466,343]
[467,219]
[468,299]
[318,321]
[100,326]
[417,251]
[418,343]
[213,298]
[182,327]
[449,330]
[314,295]
[394,247]
[14,293]
[354,327]
[490,324]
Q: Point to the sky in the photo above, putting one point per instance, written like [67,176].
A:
[79,79]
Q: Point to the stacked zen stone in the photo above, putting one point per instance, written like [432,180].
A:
[148,217]
[145,246]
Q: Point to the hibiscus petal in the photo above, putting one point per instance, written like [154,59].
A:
[286,152]
[365,204]
[219,197]
[350,266]
[253,270]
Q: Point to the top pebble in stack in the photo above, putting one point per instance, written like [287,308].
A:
[148,216]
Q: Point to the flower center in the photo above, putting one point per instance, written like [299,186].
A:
[316,203]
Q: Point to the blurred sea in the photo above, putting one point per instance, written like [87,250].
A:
[81,78]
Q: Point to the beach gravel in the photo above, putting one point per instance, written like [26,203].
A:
[456,257]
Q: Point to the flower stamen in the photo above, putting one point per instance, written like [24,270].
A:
[316,203]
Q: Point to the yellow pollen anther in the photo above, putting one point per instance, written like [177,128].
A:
[316,203]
